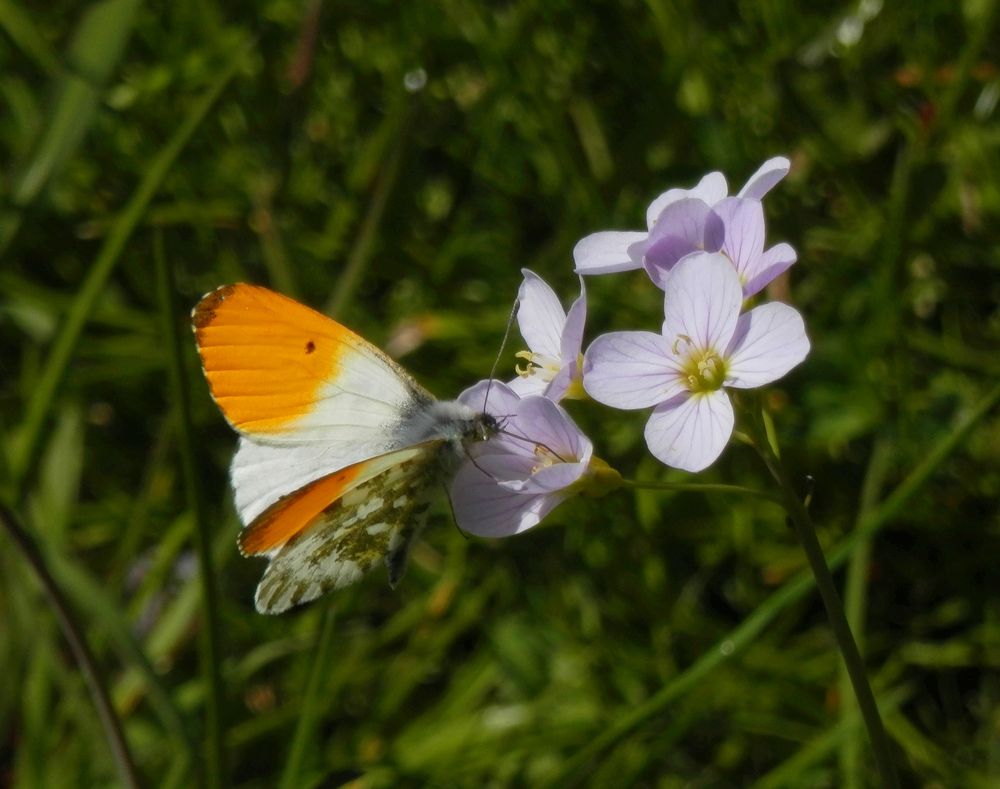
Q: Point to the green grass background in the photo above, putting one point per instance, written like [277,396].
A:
[154,151]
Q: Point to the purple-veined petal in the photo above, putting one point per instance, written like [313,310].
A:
[492,396]
[710,190]
[548,479]
[690,431]
[631,369]
[744,235]
[487,509]
[607,252]
[774,262]
[527,385]
[503,459]
[545,424]
[685,226]
[702,301]
[540,316]
[767,175]
[572,333]
[769,341]
[560,383]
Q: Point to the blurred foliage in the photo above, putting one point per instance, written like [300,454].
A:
[400,163]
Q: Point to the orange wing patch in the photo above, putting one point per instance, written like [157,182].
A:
[290,514]
[266,356]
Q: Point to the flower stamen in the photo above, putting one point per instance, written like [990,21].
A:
[540,364]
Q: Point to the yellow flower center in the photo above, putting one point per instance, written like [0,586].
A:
[540,364]
[546,457]
[547,367]
[704,369]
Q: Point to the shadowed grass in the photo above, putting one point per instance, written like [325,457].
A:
[214,772]
[28,438]
[792,591]
[80,648]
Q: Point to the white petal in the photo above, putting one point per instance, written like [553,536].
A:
[767,267]
[543,422]
[607,252]
[702,299]
[631,369]
[527,385]
[767,175]
[710,189]
[551,479]
[690,431]
[744,233]
[571,342]
[492,396]
[488,509]
[540,316]
[560,383]
[769,341]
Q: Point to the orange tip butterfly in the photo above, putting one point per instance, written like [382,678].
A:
[339,447]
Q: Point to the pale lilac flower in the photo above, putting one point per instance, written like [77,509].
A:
[705,347]
[702,219]
[554,339]
[743,244]
[538,460]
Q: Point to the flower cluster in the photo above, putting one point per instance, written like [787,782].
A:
[705,250]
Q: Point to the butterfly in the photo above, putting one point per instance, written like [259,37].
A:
[339,448]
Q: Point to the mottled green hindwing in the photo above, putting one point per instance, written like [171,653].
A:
[376,521]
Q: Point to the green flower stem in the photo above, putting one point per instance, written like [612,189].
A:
[855,600]
[799,516]
[79,646]
[701,487]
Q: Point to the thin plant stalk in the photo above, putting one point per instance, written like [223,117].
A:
[80,648]
[855,598]
[702,487]
[361,251]
[214,769]
[801,520]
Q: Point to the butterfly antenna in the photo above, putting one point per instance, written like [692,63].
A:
[503,344]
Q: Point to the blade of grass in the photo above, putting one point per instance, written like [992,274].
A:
[97,47]
[790,772]
[350,276]
[790,593]
[25,450]
[101,609]
[180,395]
[78,645]
[309,711]
[855,598]
[21,29]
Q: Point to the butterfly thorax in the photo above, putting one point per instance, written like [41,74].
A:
[450,420]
